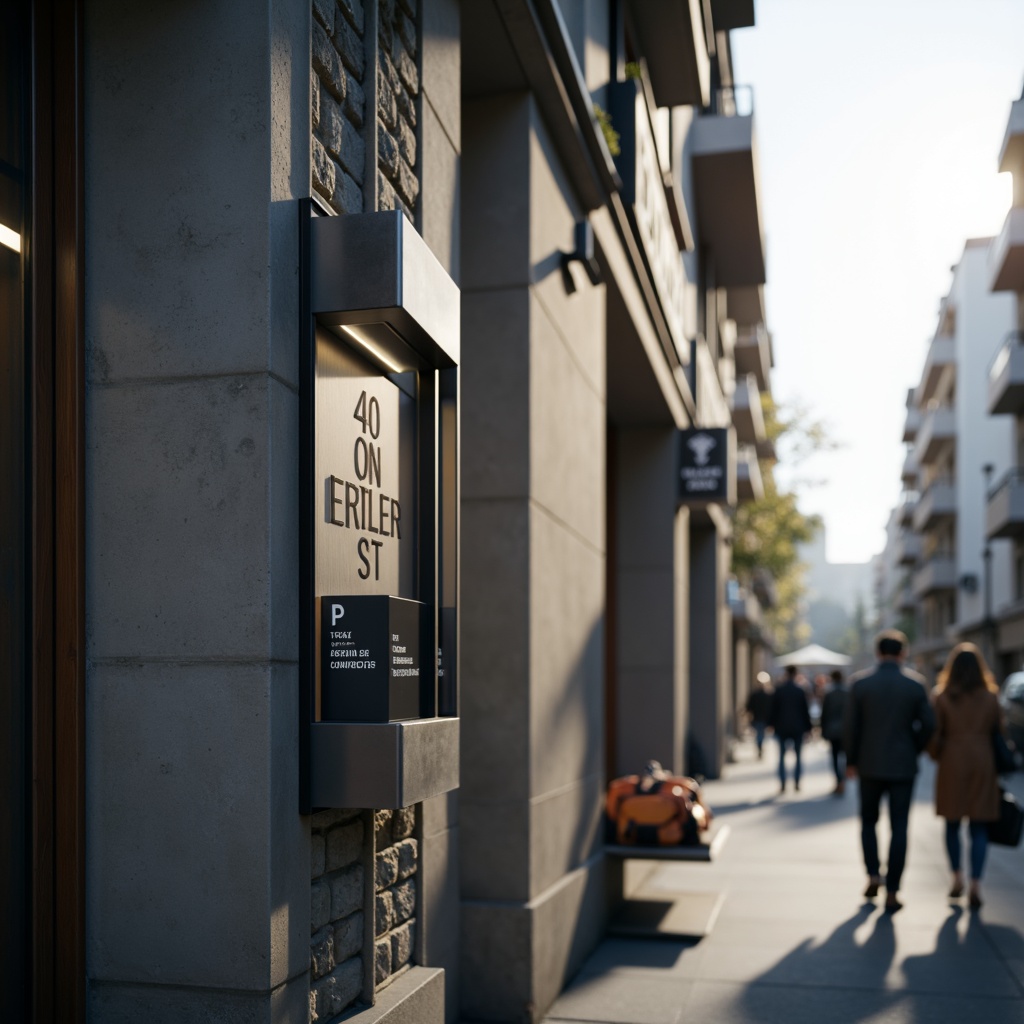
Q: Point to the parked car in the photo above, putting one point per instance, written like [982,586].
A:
[1011,698]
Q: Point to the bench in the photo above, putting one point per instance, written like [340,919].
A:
[702,853]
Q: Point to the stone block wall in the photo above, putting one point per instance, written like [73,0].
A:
[339,956]
[364,95]
[395,893]
[398,88]
[336,946]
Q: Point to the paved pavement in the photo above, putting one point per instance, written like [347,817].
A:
[794,941]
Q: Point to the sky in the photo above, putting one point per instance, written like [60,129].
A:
[878,126]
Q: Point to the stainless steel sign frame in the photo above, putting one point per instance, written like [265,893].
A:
[378,478]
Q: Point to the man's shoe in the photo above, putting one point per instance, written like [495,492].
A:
[872,890]
[796,786]
[892,904]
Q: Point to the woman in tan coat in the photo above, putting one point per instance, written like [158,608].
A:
[966,786]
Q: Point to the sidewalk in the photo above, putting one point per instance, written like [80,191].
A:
[795,942]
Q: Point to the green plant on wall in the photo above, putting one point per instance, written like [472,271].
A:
[611,136]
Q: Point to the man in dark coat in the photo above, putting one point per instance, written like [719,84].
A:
[887,723]
[790,719]
[833,706]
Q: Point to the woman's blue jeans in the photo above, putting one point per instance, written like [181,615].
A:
[979,846]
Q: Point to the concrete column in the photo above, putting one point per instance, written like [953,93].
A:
[711,707]
[197,874]
[438,209]
[652,610]
[533,570]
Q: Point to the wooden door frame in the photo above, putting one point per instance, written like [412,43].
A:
[57,518]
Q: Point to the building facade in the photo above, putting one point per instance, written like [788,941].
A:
[1004,523]
[944,578]
[395,308]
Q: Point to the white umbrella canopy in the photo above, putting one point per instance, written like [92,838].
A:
[813,654]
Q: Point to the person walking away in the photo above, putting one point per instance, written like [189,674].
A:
[759,707]
[790,719]
[887,722]
[967,713]
[833,704]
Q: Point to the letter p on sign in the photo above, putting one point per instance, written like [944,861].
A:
[336,613]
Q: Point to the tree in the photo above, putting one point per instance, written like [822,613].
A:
[767,531]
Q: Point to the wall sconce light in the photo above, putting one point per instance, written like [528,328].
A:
[583,238]
[969,583]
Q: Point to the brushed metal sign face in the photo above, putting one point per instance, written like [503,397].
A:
[366,518]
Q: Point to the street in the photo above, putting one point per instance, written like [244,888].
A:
[795,941]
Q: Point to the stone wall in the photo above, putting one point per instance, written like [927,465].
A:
[398,86]
[336,946]
[339,958]
[395,893]
[360,110]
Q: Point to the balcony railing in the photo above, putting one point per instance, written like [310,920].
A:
[726,188]
[732,101]
[941,355]
[1004,510]
[1006,376]
[937,501]
[937,429]
[1006,254]
[937,572]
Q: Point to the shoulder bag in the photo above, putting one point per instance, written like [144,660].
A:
[1007,830]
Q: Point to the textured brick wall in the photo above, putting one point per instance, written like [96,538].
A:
[336,946]
[343,103]
[338,957]
[398,88]
[339,103]
[395,888]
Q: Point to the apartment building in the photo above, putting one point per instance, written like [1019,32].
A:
[937,534]
[343,337]
[1004,513]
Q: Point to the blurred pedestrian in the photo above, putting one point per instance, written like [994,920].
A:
[887,723]
[833,705]
[759,708]
[790,719]
[967,713]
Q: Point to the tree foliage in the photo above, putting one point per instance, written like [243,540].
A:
[768,532]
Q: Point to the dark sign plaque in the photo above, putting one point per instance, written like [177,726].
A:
[370,658]
[706,466]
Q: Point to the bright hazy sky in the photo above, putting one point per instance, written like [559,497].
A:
[878,125]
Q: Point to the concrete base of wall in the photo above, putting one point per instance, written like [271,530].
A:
[416,997]
[517,958]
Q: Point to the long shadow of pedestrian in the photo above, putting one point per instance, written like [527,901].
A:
[838,966]
[968,963]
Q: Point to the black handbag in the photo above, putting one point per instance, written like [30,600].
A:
[1007,830]
[1007,758]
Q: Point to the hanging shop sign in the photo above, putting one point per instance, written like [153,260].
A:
[707,466]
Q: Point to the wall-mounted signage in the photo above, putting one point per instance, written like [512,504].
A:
[379,535]
[370,658]
[365,475]
[707,466]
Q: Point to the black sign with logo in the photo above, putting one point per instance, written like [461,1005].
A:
[706,466]
[370,658]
